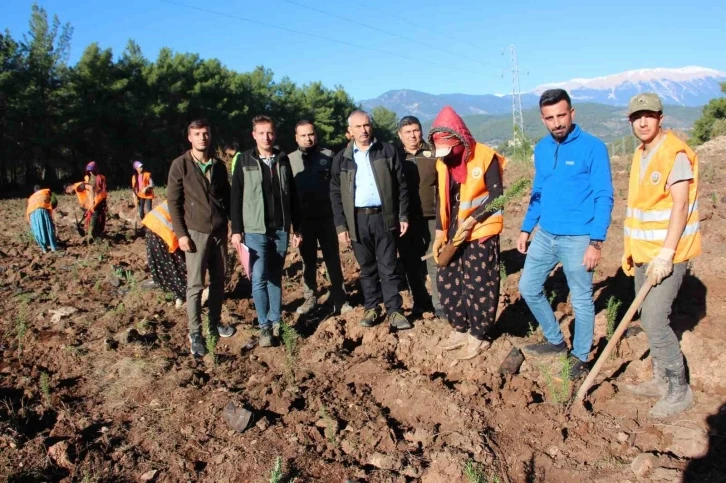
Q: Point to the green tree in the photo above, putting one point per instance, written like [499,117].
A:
[385,124]
[713,114]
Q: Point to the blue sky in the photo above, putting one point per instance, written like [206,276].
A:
[437,46]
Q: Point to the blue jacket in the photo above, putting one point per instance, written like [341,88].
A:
[572,193]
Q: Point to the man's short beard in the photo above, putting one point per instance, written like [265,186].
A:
[307,149]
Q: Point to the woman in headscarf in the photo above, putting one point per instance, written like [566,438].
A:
[92,193]
[466,246]
[39,213]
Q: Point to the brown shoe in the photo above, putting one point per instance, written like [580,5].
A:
[473,348]
[455,340]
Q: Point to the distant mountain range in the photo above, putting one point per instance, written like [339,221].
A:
[687,86]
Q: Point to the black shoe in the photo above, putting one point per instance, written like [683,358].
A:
[369,318]
[578,368]
[544,349]
[265,337]
[196,342]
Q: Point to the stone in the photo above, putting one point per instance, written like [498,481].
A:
[149,475]
[59,313]
[622,437]
[383,461]
[643,464]
[263,424]
[60,455]
[511,363]
[238,418]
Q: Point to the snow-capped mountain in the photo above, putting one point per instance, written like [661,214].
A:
[686,86]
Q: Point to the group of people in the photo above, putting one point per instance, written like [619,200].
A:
[430,196]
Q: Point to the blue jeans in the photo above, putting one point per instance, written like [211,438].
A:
[267,257]
[545,251]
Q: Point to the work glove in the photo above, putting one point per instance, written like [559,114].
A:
[628,266]
[463,232]
[661,266]
[438,244]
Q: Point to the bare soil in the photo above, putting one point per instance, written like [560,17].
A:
[106,391]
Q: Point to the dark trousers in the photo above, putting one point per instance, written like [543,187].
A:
[375,251]
[411,247]
[323,232]
[469,287]
[144,207]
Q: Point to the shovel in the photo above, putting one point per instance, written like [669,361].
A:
[642,293]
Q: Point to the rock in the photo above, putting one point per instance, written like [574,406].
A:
[149,475]
[511,363]
[237,417]
[130,336]
[383,461]
[58,314]
[263,424]
[686,442]
[644,463]
[60,455]
[622,437]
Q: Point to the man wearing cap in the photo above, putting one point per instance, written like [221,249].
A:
[571,202]
[311,168]
[143,188]
[661,236]
[370,210]
[198,197]
[419,169]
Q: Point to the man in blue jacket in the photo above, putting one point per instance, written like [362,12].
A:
[572,198]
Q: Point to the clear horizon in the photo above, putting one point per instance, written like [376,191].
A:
[372,47]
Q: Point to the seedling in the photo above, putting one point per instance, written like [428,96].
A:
[45,387]
[290,339]
[611,313]
[211,340]
[331,426]
[277,475]
[21,325]
[475,473]
[559,386]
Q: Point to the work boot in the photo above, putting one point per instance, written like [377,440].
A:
[578,368]
[225,330]
[473,348]
[369,318]
[276,330]
[399,321]
[678,396]
[197,347]
[455,340]
[307,306]
[265,337]
[544,349]
[656,386]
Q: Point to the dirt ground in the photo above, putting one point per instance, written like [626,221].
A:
[97,384]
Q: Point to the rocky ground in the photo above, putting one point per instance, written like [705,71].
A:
[97,384]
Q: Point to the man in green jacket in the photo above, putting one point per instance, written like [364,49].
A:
[311,168]
[264,207]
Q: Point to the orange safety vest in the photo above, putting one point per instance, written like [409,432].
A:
[145,181]
[158,221]
[473,193]
[100,192]
[39,200]
[650,205]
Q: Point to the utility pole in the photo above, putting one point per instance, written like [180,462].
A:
[517,118]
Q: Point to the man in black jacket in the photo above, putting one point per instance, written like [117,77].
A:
[311,167]
[264,206]
[370,209]
[198,194]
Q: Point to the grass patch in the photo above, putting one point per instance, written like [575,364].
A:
[21,325]
[474,473]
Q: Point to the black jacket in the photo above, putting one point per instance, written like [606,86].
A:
[388,173]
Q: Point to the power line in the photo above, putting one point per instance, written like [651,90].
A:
[517,118]
[383,31]
[427,29]
[320,37]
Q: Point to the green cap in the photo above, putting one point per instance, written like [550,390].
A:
[647,101]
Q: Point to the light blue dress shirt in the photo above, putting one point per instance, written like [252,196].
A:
[366,191]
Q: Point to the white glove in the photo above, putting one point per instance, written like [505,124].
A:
[661,266]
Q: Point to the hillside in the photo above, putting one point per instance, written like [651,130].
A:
[606,122]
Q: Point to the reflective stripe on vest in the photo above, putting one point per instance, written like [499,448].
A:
[650,205]
[158,221]
[473,194]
